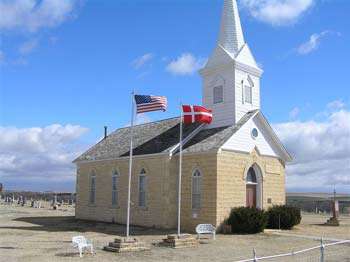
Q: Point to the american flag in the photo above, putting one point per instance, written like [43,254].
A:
[150,103]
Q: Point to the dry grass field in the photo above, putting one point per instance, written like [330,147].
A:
[28,234]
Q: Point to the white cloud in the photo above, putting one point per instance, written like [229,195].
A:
[321,151]
[294,113]
[32,15]
[186,64]
[313,43]
[28,46]
[142,60]
[28,154]
[277,12]
[336,105]
[140,119]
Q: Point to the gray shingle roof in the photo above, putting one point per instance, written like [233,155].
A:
[160,137]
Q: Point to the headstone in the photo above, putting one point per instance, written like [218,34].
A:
[336,209]
[334,220]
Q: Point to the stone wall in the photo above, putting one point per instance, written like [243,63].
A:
[162,178]
[206,163]
[232,169]
[223,187]
[160,196]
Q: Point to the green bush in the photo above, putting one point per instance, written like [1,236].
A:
[246,220]
[283,217]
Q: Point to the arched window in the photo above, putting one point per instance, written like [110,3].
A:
[142,188]
[248,90]
[251,176]
[196,189]
[218,85]
[92,196]
[115,185]
[248,94]
[218,94]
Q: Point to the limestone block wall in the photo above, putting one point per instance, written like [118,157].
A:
[160,192]
[206,163]
[231,184]
[223,187]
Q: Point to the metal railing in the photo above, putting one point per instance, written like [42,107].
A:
[321,254]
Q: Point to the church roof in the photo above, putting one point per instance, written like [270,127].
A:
[160,137]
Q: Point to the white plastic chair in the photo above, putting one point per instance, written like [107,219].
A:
[206,229]
[82,243]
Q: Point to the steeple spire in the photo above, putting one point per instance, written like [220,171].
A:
[231,77]
[231,35]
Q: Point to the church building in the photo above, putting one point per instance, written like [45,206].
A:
[235,161]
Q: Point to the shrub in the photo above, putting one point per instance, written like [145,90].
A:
[283,217]
[246,220]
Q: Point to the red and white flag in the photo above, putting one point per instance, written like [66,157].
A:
[197,114]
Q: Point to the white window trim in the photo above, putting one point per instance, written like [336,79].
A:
[221,100]
[251,94]
[243,92]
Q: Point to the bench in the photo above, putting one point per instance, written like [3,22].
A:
[81,243]
[205,229]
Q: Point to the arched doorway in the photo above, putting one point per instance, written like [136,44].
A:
[253,187]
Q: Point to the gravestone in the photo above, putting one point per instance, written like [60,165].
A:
[334,220]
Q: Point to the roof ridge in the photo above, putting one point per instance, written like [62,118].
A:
[148,123]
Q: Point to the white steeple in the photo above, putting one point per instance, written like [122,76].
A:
[231,35]
[231,77]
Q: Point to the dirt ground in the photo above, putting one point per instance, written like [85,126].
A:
[28,234]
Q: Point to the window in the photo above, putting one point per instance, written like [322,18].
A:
[255,133]
[248,92]
[218,94]
[142,188]
[92,198]
[251,176]
[115,178]
[196,189]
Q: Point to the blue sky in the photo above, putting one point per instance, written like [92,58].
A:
[67,69]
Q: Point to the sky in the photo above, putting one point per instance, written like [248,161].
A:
[67,68]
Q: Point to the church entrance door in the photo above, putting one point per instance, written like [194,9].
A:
[251,195]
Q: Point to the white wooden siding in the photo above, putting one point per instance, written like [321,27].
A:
[241,107]
[245,56]
[223,113]
[243,141]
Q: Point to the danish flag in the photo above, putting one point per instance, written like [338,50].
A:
[197,114]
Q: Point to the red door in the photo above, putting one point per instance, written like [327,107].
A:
[251,195]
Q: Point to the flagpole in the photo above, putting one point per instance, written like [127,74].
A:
[180,178]
[130,162]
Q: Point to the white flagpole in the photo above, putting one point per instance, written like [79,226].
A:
[130,162]
[180,178]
